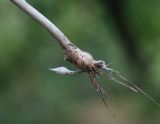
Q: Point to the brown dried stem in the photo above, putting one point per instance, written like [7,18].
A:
[79,58]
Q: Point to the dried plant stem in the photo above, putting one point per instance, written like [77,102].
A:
[72,53]
[47,24]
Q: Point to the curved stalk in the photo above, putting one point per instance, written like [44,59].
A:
[47,24]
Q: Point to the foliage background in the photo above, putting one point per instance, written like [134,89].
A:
[124,32]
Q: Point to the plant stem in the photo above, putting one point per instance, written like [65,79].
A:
[47,24]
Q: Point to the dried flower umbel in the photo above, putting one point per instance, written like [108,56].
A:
[81,59]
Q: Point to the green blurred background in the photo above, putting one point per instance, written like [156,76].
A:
[124,32]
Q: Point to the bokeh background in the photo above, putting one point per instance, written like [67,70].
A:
[123,32]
